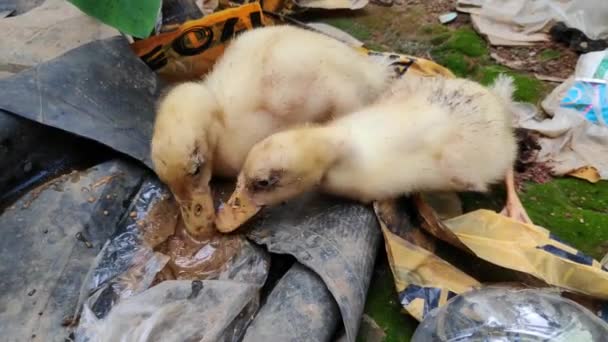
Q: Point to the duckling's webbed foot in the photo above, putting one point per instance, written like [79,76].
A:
[514,208]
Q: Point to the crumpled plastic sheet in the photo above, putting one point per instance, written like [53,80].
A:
[99,91]
[522,22]
[299,308]
[127,266]
[50,241]
[575,136]
[574,139]
[176,310]
[568,141]
[124,254]
[337,239]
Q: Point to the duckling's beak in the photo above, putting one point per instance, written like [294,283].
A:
[234,213]
[198,212]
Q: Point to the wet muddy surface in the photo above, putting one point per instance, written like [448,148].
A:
[163,229]
[197,259]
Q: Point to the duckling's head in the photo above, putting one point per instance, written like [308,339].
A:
[182,149]
[278,168]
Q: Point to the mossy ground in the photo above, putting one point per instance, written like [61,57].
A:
[383,305]
[574,210]
[461,49]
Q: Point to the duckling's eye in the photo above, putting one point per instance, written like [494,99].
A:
[265,184]
[262,183]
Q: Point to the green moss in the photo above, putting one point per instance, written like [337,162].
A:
[549,54]
[383,306]
[459,50]
[574,210]
[454,61]
[528,89]
[465,41]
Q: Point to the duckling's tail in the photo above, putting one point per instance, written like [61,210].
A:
[503,87]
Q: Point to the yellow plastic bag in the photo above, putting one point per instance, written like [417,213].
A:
[423,280]
[530,249]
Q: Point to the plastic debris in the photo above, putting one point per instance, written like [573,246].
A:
[447,18]
[176,310]
[574,140]
[530,249]
[511,314]
[189,52]
[522,22]
[425,280]
[45,254]
[123,122]
[589,93]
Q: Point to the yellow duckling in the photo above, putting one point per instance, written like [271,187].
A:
[267,80]
[426,134]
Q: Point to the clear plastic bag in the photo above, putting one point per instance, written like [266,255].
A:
[176,310]
[505,314]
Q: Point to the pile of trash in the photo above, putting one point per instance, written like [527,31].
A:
[302,270]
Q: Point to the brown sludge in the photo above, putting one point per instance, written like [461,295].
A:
[190,258]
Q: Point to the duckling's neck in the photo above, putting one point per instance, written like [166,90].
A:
[329,146]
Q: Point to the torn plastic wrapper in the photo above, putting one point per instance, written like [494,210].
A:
[574,141]
[589,93]
[423,280]
[176,310]
[530,249]
[336,239]
[426,281]
[190,52]
[570,144]
[76,92]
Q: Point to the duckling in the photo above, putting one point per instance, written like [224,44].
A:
[425,134]
[267,80]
